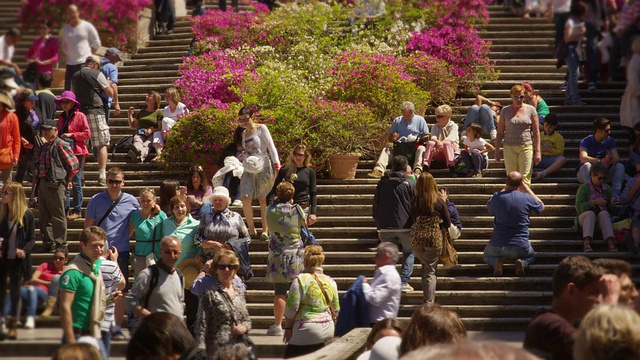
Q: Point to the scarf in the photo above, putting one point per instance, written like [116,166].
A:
[99,299]
[34,119]
[597,193]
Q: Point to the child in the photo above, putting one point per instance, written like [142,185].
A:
[475,151]
[552,147]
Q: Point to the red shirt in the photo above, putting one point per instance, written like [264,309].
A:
[47,271]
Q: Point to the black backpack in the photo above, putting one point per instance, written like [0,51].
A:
[121,146]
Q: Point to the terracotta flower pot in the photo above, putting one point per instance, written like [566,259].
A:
[343,166]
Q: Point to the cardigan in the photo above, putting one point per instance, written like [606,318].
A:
[25,240]
[584,204]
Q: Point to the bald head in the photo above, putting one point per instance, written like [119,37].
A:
[514,180]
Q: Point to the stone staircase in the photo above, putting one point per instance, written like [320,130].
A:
[523,52]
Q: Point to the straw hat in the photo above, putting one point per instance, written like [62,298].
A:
[6,100]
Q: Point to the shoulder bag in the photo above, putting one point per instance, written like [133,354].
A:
[115,203]
[244,337]
[334,315]
[449,255]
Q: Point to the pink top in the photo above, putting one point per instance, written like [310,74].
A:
[200,196]
[47,271]
[79,129]
[43,50]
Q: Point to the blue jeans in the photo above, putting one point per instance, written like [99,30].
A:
[493,253]
[76,182]
[615,176]
[480,115]
[473,160]
[106,343]
[573,64]
[232,183]
[32,296]
[401,238]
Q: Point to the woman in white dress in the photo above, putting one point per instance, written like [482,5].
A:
[172,111]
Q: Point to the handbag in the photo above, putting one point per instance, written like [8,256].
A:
[406,149]
[334,315]
[426,232]
[246,340]
[254,164]
[449,255]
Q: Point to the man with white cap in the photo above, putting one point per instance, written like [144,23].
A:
[88,85]
[78,39]
[110,71]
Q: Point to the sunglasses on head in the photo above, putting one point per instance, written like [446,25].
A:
[227,267]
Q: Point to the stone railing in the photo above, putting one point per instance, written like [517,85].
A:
[348,347]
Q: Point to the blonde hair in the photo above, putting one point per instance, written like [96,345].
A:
[313,256]
[19,204]
[444,110]
[516,89]
[148,191]
[608,332]
[175,94]
[291,165]
[156,98]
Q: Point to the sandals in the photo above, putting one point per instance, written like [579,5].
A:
[586,246]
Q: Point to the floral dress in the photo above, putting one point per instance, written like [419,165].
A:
[286,258]
[215,319]
[306,304]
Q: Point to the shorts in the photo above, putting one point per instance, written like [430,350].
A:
[546,162]
[281,288]
[100,135]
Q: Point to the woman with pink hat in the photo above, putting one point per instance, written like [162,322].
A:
[9,135]
[73,128]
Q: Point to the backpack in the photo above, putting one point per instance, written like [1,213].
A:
[121,146]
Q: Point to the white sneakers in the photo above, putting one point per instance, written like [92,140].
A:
[275,330]
[30,323]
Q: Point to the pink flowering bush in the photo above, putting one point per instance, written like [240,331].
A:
[207,80]
[431,74]
[116,20]
[379,81]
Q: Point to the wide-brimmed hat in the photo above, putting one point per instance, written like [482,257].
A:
[190,270]
[6,100]
[67,95]
[221,191]
[10,83]
[114,51]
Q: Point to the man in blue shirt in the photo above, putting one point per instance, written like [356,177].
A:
[408,128]
[110,71]
[116,224]
[600,147]
[510,240]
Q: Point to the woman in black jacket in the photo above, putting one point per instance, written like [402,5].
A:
[29,119]
[18,234]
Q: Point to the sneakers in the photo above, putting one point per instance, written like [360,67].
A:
[539,176]
[407,288]
[30,323]
[591,86]
[563,87]
[377,174]
[118,335]
[236,202]
[275,330]
[519,268]
[497,270]
[477,175]
[102,182]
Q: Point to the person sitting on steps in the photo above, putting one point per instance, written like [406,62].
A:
[551,147]
[408,128]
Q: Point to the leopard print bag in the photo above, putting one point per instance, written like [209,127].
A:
[426,233]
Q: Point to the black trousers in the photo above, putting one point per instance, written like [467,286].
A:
[292,351]
[165,13]
[191,309]
[222,4]
[11,268]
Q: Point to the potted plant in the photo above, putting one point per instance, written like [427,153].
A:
[339,134]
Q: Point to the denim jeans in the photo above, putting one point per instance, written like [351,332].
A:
[401,238]
[232,183]
[493,253]
[615,176]
[76,182]
[479,115]
[473,160]
[32,296]
[106,343]
[573,64]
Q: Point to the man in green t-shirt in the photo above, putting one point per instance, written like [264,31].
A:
[82,300]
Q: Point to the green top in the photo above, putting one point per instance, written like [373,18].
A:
[82,286]
[144,233]
[584,204]
[148,119]
[542,108]
[186,232]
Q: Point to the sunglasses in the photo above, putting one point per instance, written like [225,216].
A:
[439,116]
[227,267]
[243,120]
[114,182]
[172,252]
[521,97]
[58,258]
[5,192]
[601,178]
[299,155]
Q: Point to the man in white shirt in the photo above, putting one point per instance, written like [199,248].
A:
[383,291]
[7,48]
[78,40]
